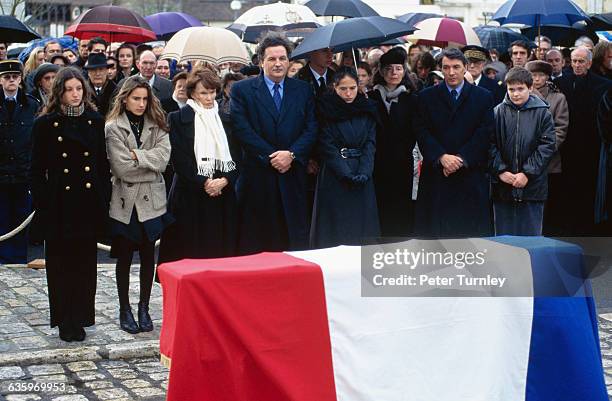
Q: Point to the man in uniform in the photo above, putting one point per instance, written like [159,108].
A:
[17,112]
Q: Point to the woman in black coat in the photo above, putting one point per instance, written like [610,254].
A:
[345,210]
[71,190]
[202,198]
[395,140]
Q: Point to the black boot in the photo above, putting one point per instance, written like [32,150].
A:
[126,320]
[65,332]
[144,320]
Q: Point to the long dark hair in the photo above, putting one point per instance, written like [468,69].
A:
[59,87]
[153,111]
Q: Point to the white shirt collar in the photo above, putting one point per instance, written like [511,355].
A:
[151,81]
[317,75]
[477,80]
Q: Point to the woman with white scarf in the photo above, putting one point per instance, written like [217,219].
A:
[394,95]
[202,198]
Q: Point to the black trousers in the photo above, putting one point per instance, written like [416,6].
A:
[124,249]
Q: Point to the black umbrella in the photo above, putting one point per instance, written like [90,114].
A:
[341,8]
[561,35]
[14,31]
[352,33]
[601,22]
[498,37]
[414,18]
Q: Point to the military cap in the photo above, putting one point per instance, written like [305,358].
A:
[11,66]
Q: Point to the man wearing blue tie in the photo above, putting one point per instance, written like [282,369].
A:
[453,125]
[273,119]
[17,111]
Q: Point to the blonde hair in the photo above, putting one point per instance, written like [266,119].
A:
[32,62]
[153,111]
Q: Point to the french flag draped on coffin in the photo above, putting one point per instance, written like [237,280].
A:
[297,327]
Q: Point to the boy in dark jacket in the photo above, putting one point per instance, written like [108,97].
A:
[522,146]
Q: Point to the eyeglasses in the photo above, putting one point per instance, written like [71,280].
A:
[10,77]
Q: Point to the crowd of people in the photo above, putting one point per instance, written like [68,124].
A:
[117,144]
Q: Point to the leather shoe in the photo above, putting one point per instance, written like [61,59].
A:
[78,334]
[65,332]
[127,322]
[144,320]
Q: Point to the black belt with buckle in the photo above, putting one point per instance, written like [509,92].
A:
[349,153]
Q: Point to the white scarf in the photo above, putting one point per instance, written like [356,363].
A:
[389,97]
[210,142]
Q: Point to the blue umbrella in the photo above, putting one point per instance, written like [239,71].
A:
[352,33]
[67,42]
[341,8]
[414,18]
[540,12]
[167,24]
[497,37]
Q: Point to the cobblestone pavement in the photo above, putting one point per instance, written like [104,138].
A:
[110,364]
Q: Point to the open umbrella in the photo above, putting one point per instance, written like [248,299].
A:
[341,8]
[444,32]
[352,33]
[113,23]
[213,45]
[67,42]
[276,16]
[498,37]
[167,24]
[540,12]
[415,18]
[14,31]
[602,22]
[560,35]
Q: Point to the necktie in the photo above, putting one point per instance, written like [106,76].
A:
[10,105]
[277,97]
[98,91]
[454,96]
[321,84]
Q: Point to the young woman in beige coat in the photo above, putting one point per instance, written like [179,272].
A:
[138,149]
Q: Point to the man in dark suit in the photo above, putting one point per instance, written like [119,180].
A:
[477,58]
[103,88]
[453,124]
[317,71]
[162,87]
[580,153]
[273,119]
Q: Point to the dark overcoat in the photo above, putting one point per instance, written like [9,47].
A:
[271,203]
[497,88]
[345,213]
[71,194]
[457,205]
[394,164]
[70,175]
[205,226]
[581,149]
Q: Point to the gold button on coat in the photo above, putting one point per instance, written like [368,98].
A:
[88,185]
[66,171]
[68,188]
[55,124]
[87,168]
[86,154]
[64,155]
[59,139]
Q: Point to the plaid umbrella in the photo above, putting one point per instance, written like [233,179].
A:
[498,38]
